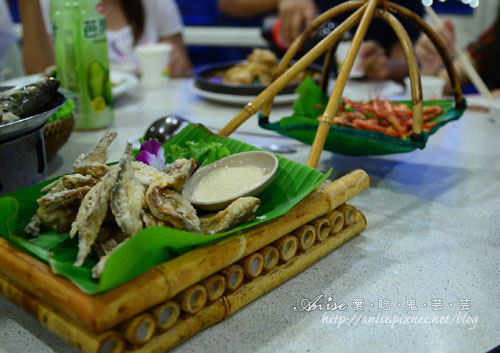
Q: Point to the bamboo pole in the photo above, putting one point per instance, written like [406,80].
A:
[252,265]
[166,315]
[280,83]
[322,228]
[413,71]
[219,310]
[139,329]
[263,284]
[336,219]
[234,276]
[215,285]
[192,299]
[79,337]
[326,119]
[287,247]
[36,277]
[438,44]
[299,41]
[306,235]
[349,213]
[271,257]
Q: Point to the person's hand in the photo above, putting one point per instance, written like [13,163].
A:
[373,60]
[427,55]
[295,15]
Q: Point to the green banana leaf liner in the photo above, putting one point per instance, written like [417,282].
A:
[302,126]
[151,246]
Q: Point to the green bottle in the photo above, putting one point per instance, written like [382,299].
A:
[81,51]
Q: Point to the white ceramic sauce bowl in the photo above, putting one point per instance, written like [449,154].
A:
[263,160]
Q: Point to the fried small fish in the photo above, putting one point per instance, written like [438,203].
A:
[54,200]
[93,162]
[59,219]
[55,186]
[73,181]
[179,172]
[151,221]
[91,214]
[33,227]
[147,174]
[170,206]
[127,196]
[240,211]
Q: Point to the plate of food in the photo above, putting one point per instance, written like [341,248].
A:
[240,81]
[27,107]
[141,237]
[121,82]
[371,127]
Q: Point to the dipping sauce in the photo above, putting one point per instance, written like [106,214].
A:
[223,183]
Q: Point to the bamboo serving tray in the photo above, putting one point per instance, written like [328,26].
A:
[173,301]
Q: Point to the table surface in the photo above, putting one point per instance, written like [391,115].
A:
[424,276]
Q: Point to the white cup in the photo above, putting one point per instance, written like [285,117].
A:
[154,62]
[341,53]
[432,87]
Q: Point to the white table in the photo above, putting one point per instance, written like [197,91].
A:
[433,238]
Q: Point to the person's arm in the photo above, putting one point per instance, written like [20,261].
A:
[180,65]
[38,53]
[246,8]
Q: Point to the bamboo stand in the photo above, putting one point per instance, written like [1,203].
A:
[173,301]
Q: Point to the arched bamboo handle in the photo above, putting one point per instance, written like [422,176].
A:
[299,41]
[280,83]
[438,44]
[415,81]
[326,119]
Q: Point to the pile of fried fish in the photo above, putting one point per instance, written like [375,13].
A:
[106,205]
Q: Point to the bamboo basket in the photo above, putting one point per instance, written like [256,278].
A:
[173,301]
[56,134]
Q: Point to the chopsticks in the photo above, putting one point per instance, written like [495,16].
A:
[463,59]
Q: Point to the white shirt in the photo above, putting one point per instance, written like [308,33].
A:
[161,19]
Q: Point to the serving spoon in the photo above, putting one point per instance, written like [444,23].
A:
[164,128]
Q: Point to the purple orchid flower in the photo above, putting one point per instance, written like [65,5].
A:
[152,154]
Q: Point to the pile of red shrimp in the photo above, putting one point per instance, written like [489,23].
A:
[387,117]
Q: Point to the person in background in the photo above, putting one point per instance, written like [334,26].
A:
[484,53]
[9,51]
[129,23]
[381,54]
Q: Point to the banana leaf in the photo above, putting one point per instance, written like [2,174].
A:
[151,246]
[302,126]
